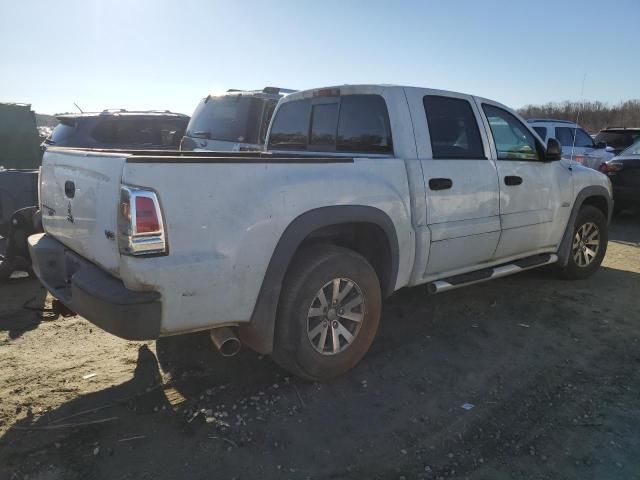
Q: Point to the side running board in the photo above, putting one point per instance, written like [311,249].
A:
[491,273]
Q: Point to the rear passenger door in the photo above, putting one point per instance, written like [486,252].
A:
[460,179]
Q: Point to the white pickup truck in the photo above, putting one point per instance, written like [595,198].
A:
[363,190]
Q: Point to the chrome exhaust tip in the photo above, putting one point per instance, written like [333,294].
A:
[226,341]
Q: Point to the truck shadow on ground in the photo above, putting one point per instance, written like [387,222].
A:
[33,308]
[625,228]
[506,346]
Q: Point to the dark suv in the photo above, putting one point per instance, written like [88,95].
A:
[147,130]
[617,138]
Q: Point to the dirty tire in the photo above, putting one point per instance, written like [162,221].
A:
[572,270]
[311,269]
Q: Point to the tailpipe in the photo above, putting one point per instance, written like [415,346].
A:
[226,341]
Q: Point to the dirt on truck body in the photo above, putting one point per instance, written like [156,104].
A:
[525,377]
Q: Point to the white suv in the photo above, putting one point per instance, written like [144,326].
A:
[585,150]
[235,121]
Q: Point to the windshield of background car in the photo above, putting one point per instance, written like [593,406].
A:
[618,140]
[231,118]
[633,149]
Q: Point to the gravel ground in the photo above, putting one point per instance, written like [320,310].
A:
[524,377]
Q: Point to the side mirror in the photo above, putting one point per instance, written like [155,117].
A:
[600,145]
[554,150]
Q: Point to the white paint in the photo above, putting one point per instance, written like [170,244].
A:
[223,221]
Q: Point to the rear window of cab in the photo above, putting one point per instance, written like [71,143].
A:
[348,123]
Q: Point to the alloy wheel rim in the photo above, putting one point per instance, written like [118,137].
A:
[335,316]
[586,244]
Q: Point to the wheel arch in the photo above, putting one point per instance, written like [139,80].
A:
[318,225]
[595,195]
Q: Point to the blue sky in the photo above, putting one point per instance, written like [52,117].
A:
[157,54]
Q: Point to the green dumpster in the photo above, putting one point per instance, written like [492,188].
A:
[19,140]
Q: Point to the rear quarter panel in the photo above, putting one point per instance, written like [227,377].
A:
[223,222]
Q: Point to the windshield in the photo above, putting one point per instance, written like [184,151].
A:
[633,149]
[231,118]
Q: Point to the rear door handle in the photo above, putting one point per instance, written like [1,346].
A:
[440,183]
[512,180]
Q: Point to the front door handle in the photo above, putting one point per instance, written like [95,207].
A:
[440,183]
[512,180]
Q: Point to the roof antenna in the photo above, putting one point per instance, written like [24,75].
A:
[575,129]
[78,107]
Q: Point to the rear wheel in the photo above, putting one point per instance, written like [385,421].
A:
[328,313]
[588,244]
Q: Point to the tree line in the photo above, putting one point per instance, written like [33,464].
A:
[594,116]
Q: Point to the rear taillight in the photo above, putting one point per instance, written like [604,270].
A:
[611,167]
[140,224]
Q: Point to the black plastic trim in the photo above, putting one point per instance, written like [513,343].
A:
[93,293]
[591,191]
[470,277]
[532,261]
[258,333]
[178,156]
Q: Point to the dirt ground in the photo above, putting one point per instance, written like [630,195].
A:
[550,370]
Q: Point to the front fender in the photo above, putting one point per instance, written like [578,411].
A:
[586,192]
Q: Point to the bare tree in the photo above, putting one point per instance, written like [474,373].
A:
[594,115]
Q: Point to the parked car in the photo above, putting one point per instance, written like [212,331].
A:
[18,137]
[574,140]
[617,138]
[235,121]
[624,173]
[19,160]
[117,129]
[365,189]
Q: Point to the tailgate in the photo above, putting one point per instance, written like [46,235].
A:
[79,194]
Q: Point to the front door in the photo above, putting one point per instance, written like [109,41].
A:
[535,194]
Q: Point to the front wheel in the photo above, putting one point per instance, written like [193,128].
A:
[588,244]
[328,313]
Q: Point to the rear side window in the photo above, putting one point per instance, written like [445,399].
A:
[290,125]
[564,136]
[140,131]
[363,125]
[124,131]
[453,128]
[542,131]
[169,132]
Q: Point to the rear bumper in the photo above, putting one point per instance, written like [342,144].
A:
[91,292]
